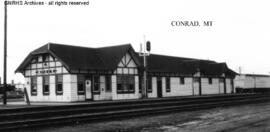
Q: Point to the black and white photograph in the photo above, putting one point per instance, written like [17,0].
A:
[134,66]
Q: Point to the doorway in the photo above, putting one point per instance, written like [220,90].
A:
[88,91]
[159,87]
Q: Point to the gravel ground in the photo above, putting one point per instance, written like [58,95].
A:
[247,118]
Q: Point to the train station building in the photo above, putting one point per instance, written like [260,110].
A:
[65,73]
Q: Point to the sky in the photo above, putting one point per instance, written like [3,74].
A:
[238,36]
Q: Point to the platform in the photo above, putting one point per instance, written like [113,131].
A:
[20,103]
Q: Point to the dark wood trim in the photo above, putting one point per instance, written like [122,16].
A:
[125,63]
[44,68]
[80,93]
[33,93]
[126,92]
[129,61]
[96,92]
[126,67]
[122,63]
[59,93]
[200,86]
[51,75]
[225,86]
[232,85]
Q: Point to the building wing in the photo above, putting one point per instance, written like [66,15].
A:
[76,59]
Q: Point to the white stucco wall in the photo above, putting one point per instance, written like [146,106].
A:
[178,89]
[210,88]
[229,87]
[153,94]
[69,90]
[121,96]
[244,81]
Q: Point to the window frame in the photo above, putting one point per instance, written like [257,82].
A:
[125,84]
[210,80]
[96,84]
[33,86]
[57,83]
[45,85]
[182,80]
[80,83]
[168,84]
[108,83]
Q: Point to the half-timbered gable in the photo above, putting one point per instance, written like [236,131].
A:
[44,64]
[127,65]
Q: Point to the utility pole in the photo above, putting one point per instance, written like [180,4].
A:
[5,55]
[146,45]
[240,70]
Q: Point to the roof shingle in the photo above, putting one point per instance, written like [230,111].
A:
[107,58]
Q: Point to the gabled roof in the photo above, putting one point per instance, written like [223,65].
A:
[112,55]
[162,63]
[83,58]
[76,58]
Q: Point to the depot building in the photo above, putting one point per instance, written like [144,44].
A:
[65,73]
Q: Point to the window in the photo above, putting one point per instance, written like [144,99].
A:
[149,84]
[96,84]
[125,84]
[59,84]
[182,80]
[210,80]
[33,85]
[168,84]
[80,84]
[108,83]
[46,85]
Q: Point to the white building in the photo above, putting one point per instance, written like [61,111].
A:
[252,83]
[63,73]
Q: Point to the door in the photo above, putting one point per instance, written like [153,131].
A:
[105,88]
[196,86]
[221,86]
[88,91]
[232,86]
[159,87]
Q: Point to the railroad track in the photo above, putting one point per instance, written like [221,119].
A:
[53,115]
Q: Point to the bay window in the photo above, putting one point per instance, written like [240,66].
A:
[125,84]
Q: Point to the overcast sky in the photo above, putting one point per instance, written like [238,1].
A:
[239,35]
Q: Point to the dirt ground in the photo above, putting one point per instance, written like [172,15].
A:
[245,118]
